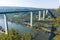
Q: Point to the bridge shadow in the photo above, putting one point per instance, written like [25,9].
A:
[52,34]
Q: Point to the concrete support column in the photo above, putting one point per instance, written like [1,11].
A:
[31,18]
[39,15]
[5,23]
[44,14]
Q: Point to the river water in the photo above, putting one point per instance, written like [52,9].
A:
[23,29]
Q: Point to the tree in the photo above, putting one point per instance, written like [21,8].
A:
[29,36]
[57,21]
[57,25]
[57,37]
[59,9]
[13,35]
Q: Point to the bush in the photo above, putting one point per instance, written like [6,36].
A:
[29,36]
[13,34]
[57,37]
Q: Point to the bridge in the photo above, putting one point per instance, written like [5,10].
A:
[10,11]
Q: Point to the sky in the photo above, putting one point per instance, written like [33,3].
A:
[31,3]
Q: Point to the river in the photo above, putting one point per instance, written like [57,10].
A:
[23,29]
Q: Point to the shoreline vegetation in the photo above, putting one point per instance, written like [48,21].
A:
[14,34]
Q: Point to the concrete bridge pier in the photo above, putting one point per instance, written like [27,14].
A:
[31,16]
[46,12]
[39,16]
[43,14]
[6,24]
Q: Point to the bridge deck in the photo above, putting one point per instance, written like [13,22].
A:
[9,10]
